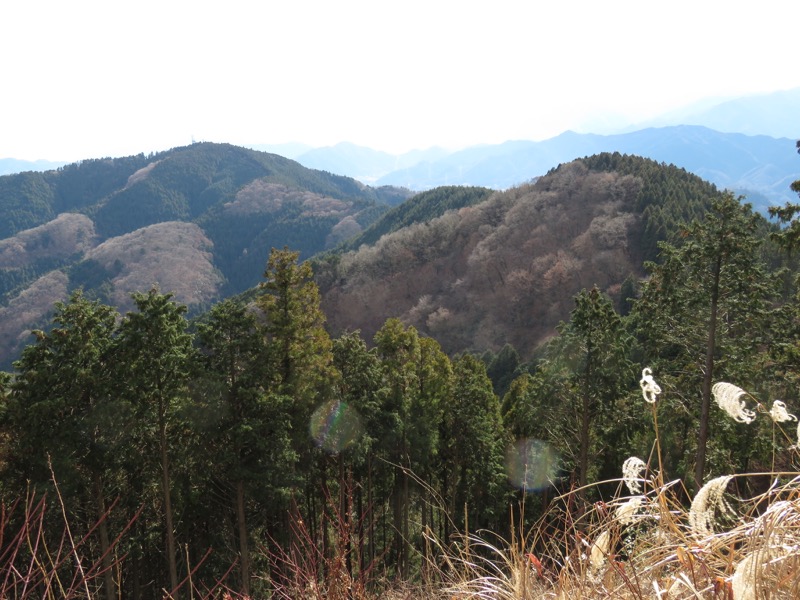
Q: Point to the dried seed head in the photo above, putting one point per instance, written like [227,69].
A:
[628,513]
[650,388]
[728,397]
[600,549]
[779,413]
[708,505]
[632,470]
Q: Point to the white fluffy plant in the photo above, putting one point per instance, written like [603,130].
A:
[729,398]
[710,506]
[650,389]
[632,470]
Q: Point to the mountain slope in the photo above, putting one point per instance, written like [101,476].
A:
[505,270]
[418,209]
[13,165]
[365,164]
[198,221]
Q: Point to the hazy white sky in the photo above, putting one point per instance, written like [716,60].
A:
[88,79]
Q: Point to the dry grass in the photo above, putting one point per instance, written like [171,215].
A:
[650,551]
[648,545]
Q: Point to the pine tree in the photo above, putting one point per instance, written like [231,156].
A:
[232,372]
[155,351]
[474,444]
[61,411]
[703,312]
[589,360]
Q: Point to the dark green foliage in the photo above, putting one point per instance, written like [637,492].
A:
[474,444]
[63,418]
[669,196]
[61,399]
[155,352]
[703,317]
[243,429]
[216,443]
[81,185]
[392,195]
[502,368]
[31,199]
[26,200]
[589,366]
[90,274]
[143,204]
[13,281]
[192,183]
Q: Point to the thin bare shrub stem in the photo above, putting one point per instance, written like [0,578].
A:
[660,479]
[73,547]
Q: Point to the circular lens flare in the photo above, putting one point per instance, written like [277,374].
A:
[531,464]
[335,425]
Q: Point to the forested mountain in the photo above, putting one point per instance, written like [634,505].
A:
[418,209]
[472,267]
[505,270]
[198,220]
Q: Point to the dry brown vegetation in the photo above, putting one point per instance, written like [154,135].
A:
[64,236]
[141,174]
[29,309]
[173,255]
[261,196]
[503,271]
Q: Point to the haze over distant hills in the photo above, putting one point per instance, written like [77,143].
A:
[759,167]
[744,144]
[776,115]
[200,219]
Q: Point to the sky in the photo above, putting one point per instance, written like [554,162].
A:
[91,79]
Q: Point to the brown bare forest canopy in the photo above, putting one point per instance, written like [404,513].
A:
[502,271]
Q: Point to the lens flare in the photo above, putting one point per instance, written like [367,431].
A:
[335,425]
[531,464]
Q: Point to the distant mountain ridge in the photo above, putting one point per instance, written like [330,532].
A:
[776,114]
[9,166]
[760,167]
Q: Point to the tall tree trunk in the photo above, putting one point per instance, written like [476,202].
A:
[105,546]
[708,376]
[583,452]
[244,550]
[406,519]
[371,509]
[397,521]
[165,485]
[586,417]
